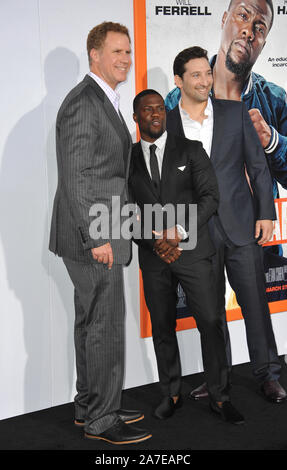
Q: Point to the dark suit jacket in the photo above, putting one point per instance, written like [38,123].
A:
[194,183]
[93,155]
[235,145]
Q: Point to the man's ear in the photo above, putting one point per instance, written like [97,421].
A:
[135,117]
[94,55]
[223,19]
[178,81]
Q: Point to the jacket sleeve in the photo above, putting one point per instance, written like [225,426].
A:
[258,171]
[77,132]
[276,151]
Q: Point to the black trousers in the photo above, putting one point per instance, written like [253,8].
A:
[198,283]
[245,272]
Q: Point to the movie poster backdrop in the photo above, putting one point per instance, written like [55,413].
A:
[162,29]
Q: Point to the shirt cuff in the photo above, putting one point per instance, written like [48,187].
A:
[181,232]
[273,141]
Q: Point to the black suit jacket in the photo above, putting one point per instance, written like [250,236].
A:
[187,177]
[236,146]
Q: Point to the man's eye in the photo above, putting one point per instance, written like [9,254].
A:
[243,16]
[260,29]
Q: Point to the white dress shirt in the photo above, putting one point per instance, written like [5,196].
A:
[160,146]
[113,96]
[193,130]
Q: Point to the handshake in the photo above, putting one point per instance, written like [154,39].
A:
[166,246]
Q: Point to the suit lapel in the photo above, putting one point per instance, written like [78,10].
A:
[140,164]
[169,151]
[218,128]
[116,120]
[167,165]
[128,147]
[218,121]
[110,111]
[177,122]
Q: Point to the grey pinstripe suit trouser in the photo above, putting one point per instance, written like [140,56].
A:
[99,342]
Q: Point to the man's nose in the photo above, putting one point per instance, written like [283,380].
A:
[248,31]
[205,80]
[125,58]
[155,112]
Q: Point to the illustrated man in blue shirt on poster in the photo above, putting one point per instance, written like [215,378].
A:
[244,31]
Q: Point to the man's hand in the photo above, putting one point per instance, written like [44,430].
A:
[104,254]
[171,235]
[266,229]
[166,252]
[166,246]
[262,128]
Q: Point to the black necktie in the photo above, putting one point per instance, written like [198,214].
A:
[154,168]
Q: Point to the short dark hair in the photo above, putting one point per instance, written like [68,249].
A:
[269,3]
[140,95]
[98,34]
[185,56]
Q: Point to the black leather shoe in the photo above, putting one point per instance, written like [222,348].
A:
[79,422]
[127,416]
[199,392]
[167,407]
[273,391]
[130,416]
[228,412]
[121,433]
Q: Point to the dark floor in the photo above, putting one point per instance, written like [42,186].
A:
[193,428]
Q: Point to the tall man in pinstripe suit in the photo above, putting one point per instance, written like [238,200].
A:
[93,154]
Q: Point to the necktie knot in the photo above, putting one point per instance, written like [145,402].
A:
[152,148]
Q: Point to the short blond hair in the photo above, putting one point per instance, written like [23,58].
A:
[98,34]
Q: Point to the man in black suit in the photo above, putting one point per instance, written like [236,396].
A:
[171,171]
[243,222]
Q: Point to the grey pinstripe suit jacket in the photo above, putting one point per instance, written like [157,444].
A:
[93,155]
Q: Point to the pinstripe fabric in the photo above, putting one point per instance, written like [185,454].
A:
[99,342]
[113,96]
[93,154]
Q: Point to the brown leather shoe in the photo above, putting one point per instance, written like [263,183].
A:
[199,392]
[273,391]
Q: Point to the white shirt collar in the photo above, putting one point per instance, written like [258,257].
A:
[194,130]
[160,142]
[208,110]
[113,96]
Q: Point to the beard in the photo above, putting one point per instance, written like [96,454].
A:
[155,134]
[240,69]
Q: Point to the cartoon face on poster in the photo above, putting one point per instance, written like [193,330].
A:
[261,69]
